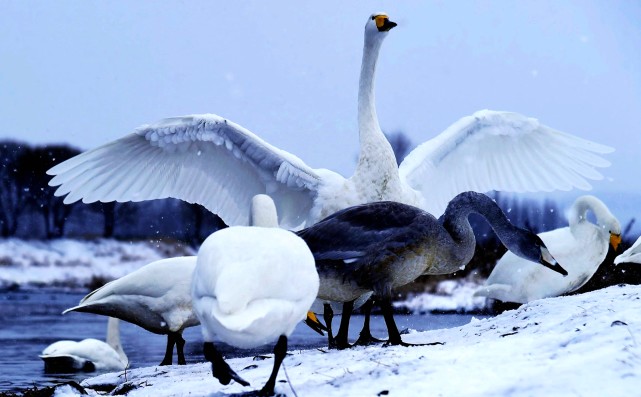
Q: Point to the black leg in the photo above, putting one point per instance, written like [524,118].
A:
[392,329]
[280,351]
[328,315]
[365,338]
[219,368]
[169,352]
[180,344]
[342,336]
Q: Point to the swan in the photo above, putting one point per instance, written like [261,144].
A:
[631,255]
[156,297]
[252,285]
[88,354]
[215,162]
[384,245]
[580,248]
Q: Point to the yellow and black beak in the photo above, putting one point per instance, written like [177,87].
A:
[383,23]
[615,240]
[313,323]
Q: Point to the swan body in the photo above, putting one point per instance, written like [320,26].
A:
[156,297]
[631,255]
[579,248]
[251,286]
[384,245]
[86,355]
[217,163]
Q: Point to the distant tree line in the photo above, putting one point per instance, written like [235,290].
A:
[29,209]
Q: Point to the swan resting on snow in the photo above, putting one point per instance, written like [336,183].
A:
[88,354]
[384,245]
[252,285]
[156,297]
[631,255]
[580,248]
[215,162]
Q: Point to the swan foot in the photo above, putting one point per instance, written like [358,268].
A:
[406,344]
[367,340]
[219,368]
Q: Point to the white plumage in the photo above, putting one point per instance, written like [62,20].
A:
[212,161]
[156,297]
[88,354]
[631,255]
[252,285]
[579,248]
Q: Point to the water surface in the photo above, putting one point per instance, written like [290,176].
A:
[30,321]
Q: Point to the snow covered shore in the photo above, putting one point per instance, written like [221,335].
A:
[74,263]
[581,345]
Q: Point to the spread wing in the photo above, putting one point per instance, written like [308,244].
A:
[500,151]
[202,159]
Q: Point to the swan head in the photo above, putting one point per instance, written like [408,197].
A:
[531,247]
[631,255]
[378,24]
[605,220]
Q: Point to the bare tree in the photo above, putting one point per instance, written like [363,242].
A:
[12,196]
[32,164]
[401,144]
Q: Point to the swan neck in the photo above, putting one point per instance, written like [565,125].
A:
[367,118]
[580,208]
[113,337]
[376,162]
[263,212]
[455,219]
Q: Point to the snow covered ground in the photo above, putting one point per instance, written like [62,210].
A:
[73,263]
[581,345]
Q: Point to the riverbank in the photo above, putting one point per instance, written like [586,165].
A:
[587,345]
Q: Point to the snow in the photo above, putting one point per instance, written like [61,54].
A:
[74,263]
[581,345]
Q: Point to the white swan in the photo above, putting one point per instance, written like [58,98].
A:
[631,255]
[252,285]
[88,354]
[156,297]
[579,248]
[212,161]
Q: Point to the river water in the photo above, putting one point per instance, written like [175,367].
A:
[30,321]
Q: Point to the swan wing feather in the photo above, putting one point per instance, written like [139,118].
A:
[493,150]
[202,159]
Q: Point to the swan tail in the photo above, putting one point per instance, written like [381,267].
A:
[493,290]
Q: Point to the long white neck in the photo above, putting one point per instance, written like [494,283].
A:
[580,208]
[113,338]
[263,212]
[376,162]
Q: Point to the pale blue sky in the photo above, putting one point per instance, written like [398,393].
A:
[89,72]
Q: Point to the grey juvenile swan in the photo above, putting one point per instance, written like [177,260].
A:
[384,245]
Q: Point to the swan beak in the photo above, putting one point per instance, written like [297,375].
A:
[313,323]
[548,261]
[615,240]
[384,24]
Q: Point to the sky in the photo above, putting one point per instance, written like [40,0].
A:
[86,72]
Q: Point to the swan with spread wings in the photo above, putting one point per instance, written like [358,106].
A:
[215,162]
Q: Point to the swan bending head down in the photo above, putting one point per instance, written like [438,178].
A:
[580,248]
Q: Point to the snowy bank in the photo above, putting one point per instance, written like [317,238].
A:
[581,345]
[74,263]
